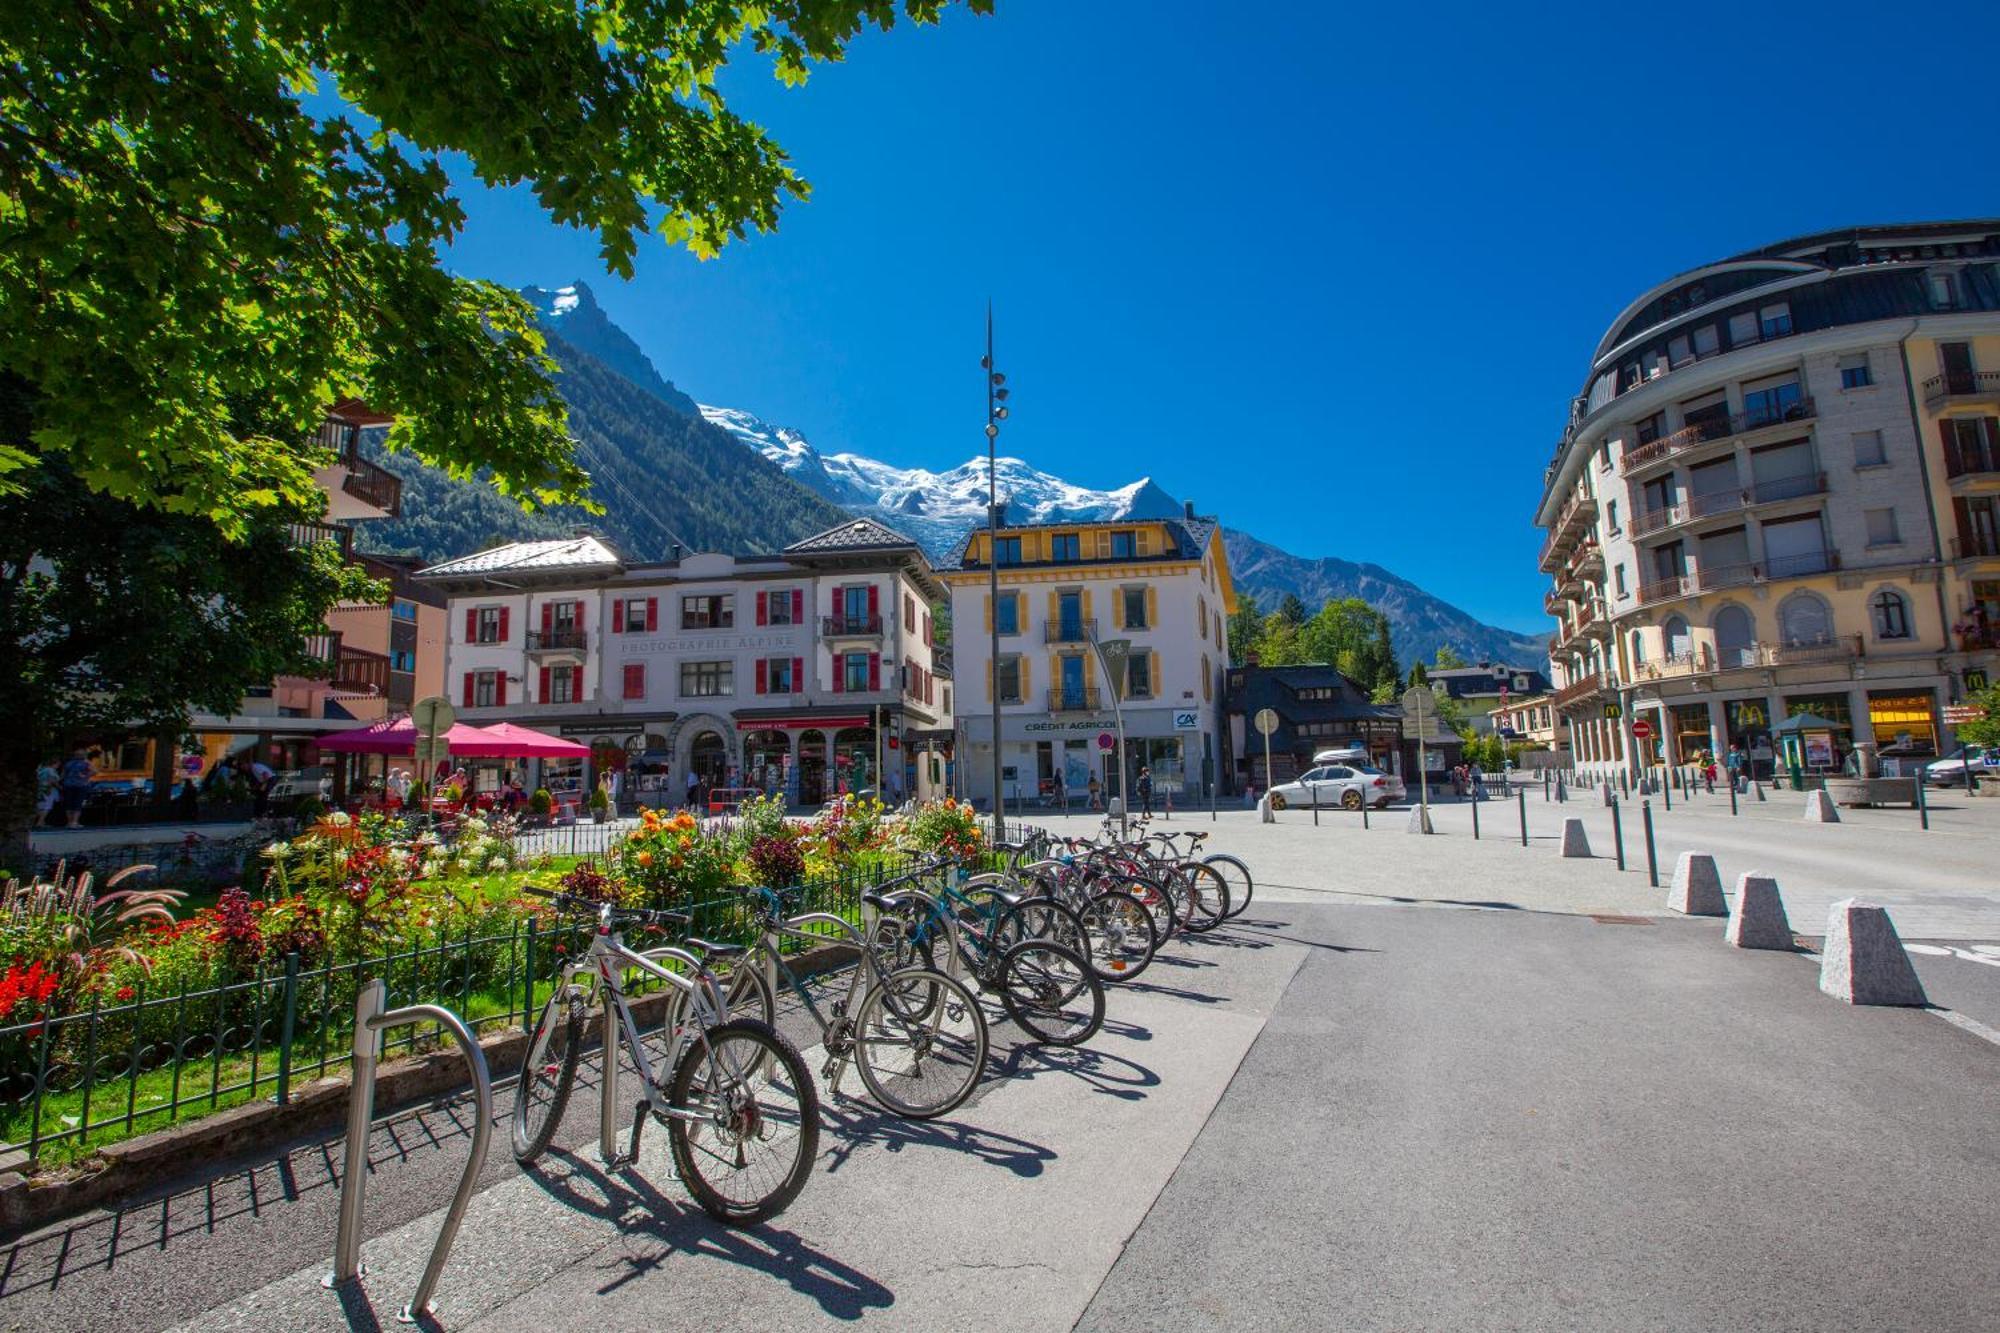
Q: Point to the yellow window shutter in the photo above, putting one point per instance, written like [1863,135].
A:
[1104,543]
[989,621]
[1159,688]
[1025,659]
[1118,608]
[1086,606]
[1142,542]
[992,669]
[1055,670]
[1055,606]
[1152,607]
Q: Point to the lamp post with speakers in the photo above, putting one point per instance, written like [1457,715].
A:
[996,412]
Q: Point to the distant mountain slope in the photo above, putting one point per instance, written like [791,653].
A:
[1419,624]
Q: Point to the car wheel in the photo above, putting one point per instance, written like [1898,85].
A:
[1277,800]
[1350,800]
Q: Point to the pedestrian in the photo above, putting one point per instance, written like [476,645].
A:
[262,779]
[1146,791]
[48,787]
[74,781]
[1477,780]
[1061,792]
[1096,793]
[1734,761]
[693,788]
[1708,770]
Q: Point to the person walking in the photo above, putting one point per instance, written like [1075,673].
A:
[1734,761]
[693,788]
[1060,792]
[1146,791]
[74,784]
[262,778]
[1477,780]
[48,787]
[1096,793]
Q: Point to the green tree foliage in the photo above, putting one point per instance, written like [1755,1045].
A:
[1354,636]
[1447,658]
[1280,642]
[1985,731]
[1246,626]
[1292,609]
[195,260]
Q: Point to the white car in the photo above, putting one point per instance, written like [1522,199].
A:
[1984,761]
[1339,786]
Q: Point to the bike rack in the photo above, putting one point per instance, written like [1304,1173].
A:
[369,1021]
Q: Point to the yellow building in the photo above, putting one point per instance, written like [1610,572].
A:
[1775,496]
[1163,585]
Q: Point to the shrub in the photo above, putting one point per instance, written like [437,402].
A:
[944,827]
[673,861]
[777,860]
[587,881]
[541,802]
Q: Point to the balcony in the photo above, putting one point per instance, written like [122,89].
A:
[361,672]
[1079,699]
[1843,649]
[850,627]
[1069,631]
[1713,430]
[1974,462]
[1788,488]
[1583,690]
[1975,546]
[324,649]
[1696,663]
[1940,390]
[558,641]
[370,483]
[311,534]
[1977,638]
[1573,522]
[1666,589]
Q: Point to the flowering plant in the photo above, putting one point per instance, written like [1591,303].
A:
[948,827]
[777,860]
[672,860]
[847,826]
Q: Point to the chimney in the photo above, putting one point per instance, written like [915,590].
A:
[1188,509]
[676,549]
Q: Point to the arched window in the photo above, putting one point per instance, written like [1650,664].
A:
[1638,648]
[1805,618]
[1679,641]
[1892,614]
[1735,636]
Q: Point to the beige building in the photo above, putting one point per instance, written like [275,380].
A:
[1531,720]
[1776,497]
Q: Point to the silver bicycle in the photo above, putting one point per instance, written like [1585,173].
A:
[738,1102]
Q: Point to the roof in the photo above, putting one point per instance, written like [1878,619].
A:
[1190,537]
[564,553]
[861,534]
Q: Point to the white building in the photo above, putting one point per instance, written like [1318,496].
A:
[799,673]
[1163,585]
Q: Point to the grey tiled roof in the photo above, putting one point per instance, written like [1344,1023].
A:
[559,554]
[1190,537]
[860,534]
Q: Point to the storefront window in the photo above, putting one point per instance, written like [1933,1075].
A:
[854,758]
[765,756]
[1690,728]
[1903,721]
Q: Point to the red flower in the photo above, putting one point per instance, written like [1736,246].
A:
[124,993]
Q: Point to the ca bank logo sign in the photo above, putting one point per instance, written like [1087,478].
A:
[1187,719]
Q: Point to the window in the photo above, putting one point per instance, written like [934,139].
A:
[705,680]
[1944,291]
[1679,351]
[1892,615]
[485,688]
[1007,680]
[909,613]
[1742,329]
[854,672]
[402,608]
[857,605]
[1881,527]
[486,627]
[1618,579]
[1135,607]
[1804,618]
[1007,613]
[565,684]
[1854,372]
[1008,551]
[1065,546]
[780,677]
[1868,450]
[1201,616]
[1706,341]
[1775,321]
[1679,642]
[1611,515]
[1652,428]
[402,659]
[708,611]
[1139,676]
[778,604]
[1735,637]
[1124,545]
[1638,648]
[634,615]
[1769,401]
[635,680]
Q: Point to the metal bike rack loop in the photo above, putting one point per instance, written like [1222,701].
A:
[369,1022]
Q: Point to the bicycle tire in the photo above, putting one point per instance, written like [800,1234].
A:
[1205,893]
[956,1061]
[1043,918]
[1051,993]
[1237,875]
[744,1116]
[1123,935]
[550,1068]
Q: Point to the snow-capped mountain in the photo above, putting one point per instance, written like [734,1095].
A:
[938,508]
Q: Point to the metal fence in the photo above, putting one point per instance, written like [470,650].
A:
[133,1064]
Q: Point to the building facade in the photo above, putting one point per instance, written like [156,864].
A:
[1318,708]
[805,673]
[1776,496]
[1163,585]
[1479,689]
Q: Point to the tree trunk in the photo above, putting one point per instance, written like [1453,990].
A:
[17,810]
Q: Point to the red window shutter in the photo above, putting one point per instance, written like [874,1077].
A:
[471,625]
[798,675]
[618,617]
[503,624]
[927,629]
[635,680]
[652,614]
[548,618]
[579,617]
[763,611]
[500,689]
[839,672]
[763,667]
[468,689]
[874,601]
[798,605]
[874,664]
[543,692]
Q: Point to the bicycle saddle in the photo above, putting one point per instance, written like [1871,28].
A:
[880,902]
[714,948]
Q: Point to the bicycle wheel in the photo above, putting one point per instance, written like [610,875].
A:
[548,1074]
[1043,919]
[920,1068]
[1204,896]
[1237,876]
[1051,993]
[1122,935]
[748,1154]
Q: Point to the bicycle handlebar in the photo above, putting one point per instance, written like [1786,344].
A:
[608,912]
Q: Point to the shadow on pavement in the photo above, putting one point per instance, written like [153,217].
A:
[632,1206]
[855,1125]
[1112,1075]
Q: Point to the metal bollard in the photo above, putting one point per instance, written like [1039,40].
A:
[1524,816]
[1316,805]
[1475,817]
[1545,784]
[1617,833]
[1923,804]
[1652,858]
[1364,815]
[1667,791]
[1732,793]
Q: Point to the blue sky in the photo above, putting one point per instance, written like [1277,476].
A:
[1332,273]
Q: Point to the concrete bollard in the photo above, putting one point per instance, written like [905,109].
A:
[1759,920]
[1610,799]
[1697,887]
[1575,841]
[1863,961]
[1264,815]
[1820,808]
[1420,820]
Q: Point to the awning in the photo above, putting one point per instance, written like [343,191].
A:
[799,723]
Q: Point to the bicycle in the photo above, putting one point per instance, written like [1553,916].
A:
[916,1036]
[724,1087]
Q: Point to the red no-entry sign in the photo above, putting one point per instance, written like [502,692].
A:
[1642,729]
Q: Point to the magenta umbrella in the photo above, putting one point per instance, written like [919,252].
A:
[504,740]
[400,737]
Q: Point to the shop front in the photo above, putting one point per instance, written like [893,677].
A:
[1034,748]
[1747,726]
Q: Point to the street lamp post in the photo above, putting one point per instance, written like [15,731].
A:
[996,412]
[1115,651]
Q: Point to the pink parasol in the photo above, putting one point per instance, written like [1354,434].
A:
[504,740]
[400,737]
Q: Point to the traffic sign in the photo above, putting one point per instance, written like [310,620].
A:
[1266,720]
[1642,728]
[1957,715]
[433,715]
[1105,740]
